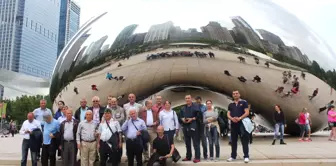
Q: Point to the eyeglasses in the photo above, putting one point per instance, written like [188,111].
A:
[95,101]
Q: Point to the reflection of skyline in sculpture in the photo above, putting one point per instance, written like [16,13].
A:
[123,36]
[216,32]
[93,49]
[158,32]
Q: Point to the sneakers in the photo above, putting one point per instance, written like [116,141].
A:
[186,159]
[230,159]
[246,160]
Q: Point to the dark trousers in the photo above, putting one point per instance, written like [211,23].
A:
[251,137]
[237,129]
[194,136]
[106,155]
[69,152]
[134,149]
[213,138]
[48,153]
[25,148]
[170,134]
[203,141]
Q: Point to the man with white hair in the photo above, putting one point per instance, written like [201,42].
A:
[132,129]
[132,105]
[86,139]
[97,110]
[50,131]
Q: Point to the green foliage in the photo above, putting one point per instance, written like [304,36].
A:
[18,109]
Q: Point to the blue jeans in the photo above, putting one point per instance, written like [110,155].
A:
[302,130]
[277,127]
[25,148]
[212,136]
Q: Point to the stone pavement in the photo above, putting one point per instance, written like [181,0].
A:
[318,152]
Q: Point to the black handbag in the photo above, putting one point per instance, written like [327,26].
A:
[144,134]
[114,139]
[176,155]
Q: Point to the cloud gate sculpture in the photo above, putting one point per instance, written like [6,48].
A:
[219,46]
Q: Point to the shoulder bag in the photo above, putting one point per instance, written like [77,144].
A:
[114,139]
[144,133]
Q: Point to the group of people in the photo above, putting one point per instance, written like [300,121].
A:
[96,133]
[180,53]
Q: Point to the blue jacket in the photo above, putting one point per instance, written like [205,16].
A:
[191,112]
[58,114]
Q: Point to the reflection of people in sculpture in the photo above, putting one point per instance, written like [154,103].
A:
[241,59]
[242,79]
[284,79]
[280,89]
[227,73]
[287,94]
[293,91]
[256,60]
[76,90]
[303,75]
[256,78]
[267,64]
[109,76]
[94,87]
[327,106]
[119,64]
[314,94]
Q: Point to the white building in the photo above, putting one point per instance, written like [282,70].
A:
[158,32]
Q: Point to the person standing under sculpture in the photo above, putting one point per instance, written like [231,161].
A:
[169,120]
[86,140]
[211,129]
[50,132]
[28,128]
[68,132]
[38,113]
[132,105]
[81,111]
[280,124]
[158,106]
[237,111]
[188,115]
[151,118]
[201,126]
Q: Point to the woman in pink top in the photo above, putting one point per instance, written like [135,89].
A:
[302,124]
[332,123]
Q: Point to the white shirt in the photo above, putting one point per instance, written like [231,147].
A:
[105,132]
[167,119]
[128,107]
[150,120]
[62,118]
[29,126]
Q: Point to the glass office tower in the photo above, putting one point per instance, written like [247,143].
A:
[69,23]
[29,36]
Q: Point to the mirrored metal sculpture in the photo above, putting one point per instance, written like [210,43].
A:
[219,46]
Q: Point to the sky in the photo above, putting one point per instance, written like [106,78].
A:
[299,23]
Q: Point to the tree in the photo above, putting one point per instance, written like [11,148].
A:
[19,108]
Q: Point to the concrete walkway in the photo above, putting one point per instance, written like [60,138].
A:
[318,152]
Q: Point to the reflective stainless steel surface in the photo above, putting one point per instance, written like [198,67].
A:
[173,44]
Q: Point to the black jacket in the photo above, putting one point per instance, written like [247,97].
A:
[78,113]
[35,141]
[101,111]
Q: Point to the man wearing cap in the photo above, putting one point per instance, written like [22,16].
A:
[50,132]
[109,149]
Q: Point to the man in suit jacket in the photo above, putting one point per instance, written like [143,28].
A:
[97,110]
[68,131]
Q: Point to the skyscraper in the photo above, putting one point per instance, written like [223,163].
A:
[271,37]
[68,23]
[216,32]
[158,32]
[28,36]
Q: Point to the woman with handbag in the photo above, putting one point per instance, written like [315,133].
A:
[211,129]
[169,121]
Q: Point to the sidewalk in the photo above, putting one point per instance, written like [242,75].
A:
[319,151]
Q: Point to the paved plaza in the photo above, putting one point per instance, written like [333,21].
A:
[318,152]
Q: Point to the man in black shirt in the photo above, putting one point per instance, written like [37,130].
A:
[237,111]
[188,116]
[314,94]
[162,147]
